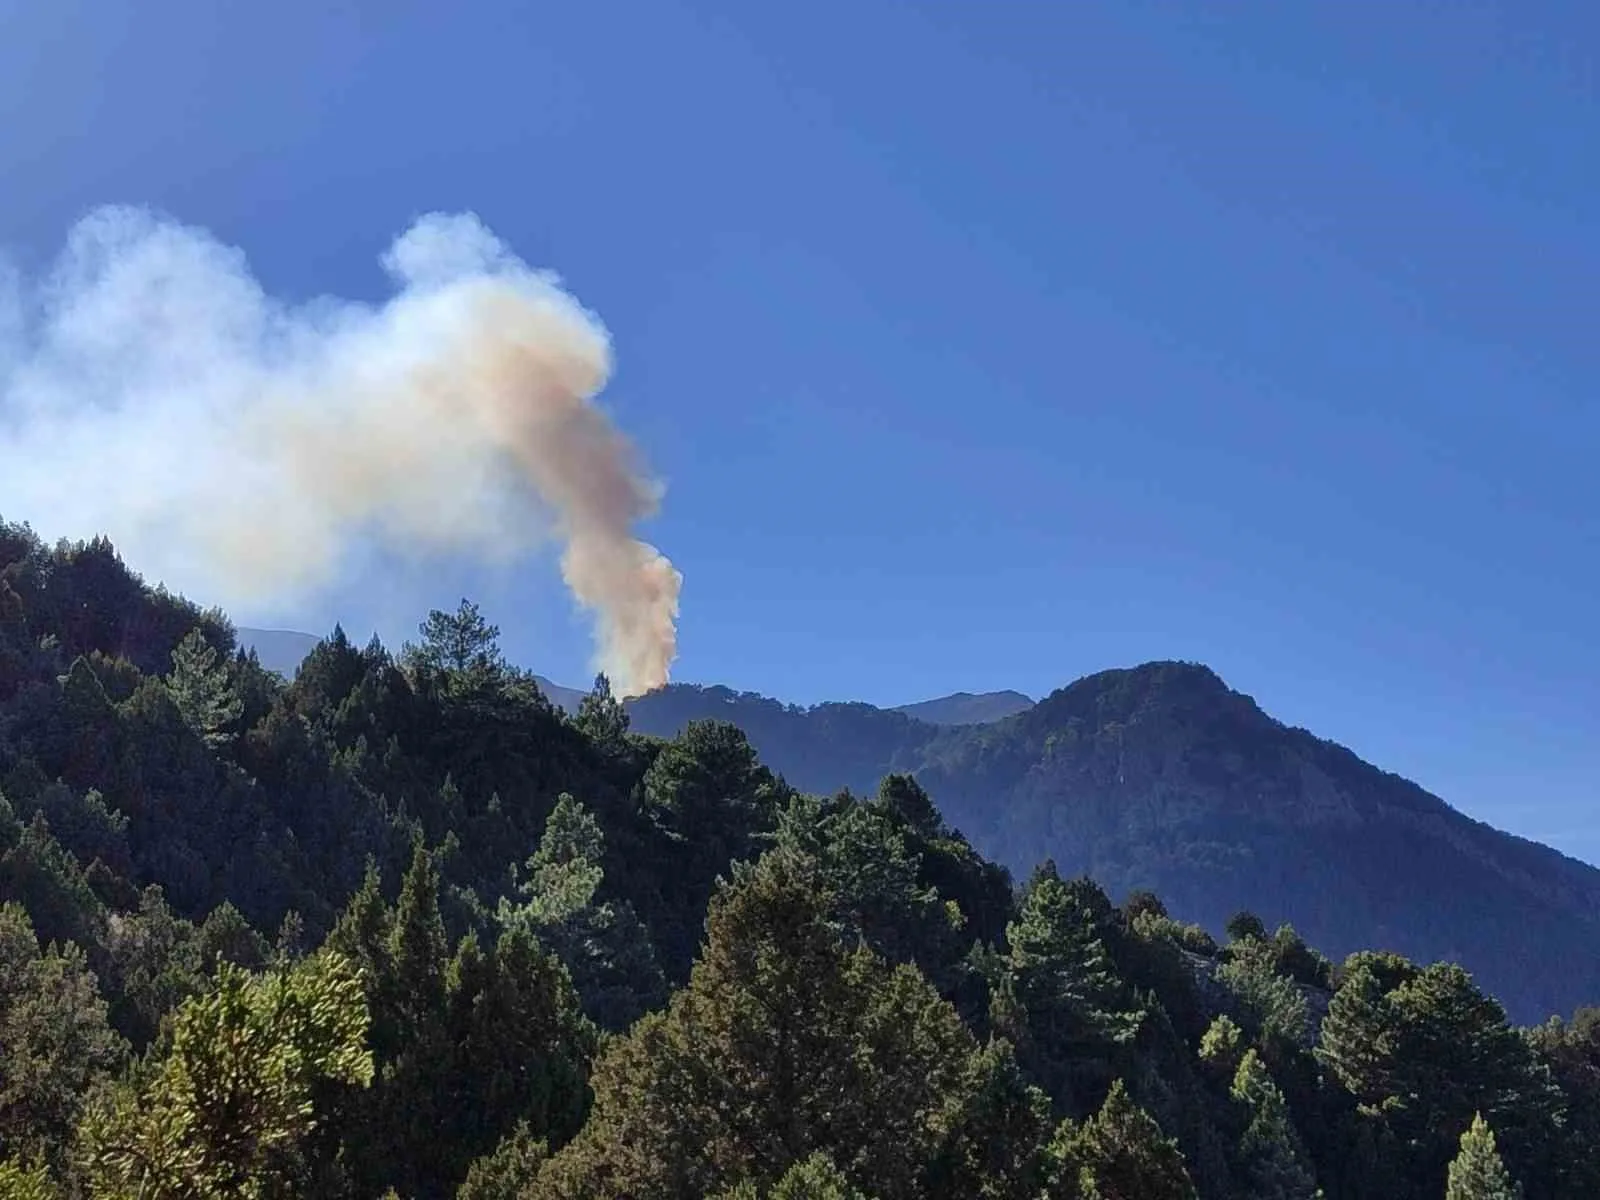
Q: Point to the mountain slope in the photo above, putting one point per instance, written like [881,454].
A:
[1162,777]
[965,708]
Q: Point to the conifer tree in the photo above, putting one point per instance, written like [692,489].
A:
[1059,998]
[1119,1154]
[1477,1173]
[1270,1153]
[602,717]
[228,1110]
[605,947]
[785,1043]
[461,644]
[201,686]
[417,946]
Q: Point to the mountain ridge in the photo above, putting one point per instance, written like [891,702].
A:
[1161,777]
[282,650]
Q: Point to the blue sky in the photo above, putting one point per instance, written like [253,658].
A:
[979,346]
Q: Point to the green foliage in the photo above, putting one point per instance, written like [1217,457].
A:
[1423,1050]
[710,799]
[602,718]
[1272,1159]
[816,1178]
[1058,997]
[1570,1051]
[27,1181]
[202,687]
[1246,926]
[1118,1154]
[1268,1002]
[873,1011]
[1223,1047]
[55,1040]
[605,948]
[227,1110]
[509,1171]
[462,645]
[1476,1172]
[226,936]
[463,1053]
[785,1043]
[869,865]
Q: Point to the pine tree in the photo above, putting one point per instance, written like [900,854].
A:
[604,945]
[201,685]
[1425,1048]
[1059,998]
[1222,1047]
[55,1039]
[785,1043]
[1119,1154]
[461,644]
[1270,1152]
[509,1170]
[602,717]
[228,1110]
[1477,1172]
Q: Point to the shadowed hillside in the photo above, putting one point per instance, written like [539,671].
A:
[1161,777]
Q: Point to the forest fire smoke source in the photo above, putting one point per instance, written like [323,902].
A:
[240,448]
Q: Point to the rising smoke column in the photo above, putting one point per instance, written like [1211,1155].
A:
[245,450]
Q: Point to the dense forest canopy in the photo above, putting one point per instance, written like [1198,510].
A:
[400,927]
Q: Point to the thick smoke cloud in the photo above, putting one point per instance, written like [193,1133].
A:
[245,451]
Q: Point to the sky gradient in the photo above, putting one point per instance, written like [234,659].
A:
[978,346]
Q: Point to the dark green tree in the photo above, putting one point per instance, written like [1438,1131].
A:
[1118,1154]
[1422,1050]
[1243,926]
[603,944]
[462,644]
[1570,1050]
[1058,997]
[710,799]
[418,951]
[602,718]
[785,1043]
[509,1171]
[875,877]
[1266,1000]
[816,1178]
[225,936]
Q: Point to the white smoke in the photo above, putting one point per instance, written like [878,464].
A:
[243,450]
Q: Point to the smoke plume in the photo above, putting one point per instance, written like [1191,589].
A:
[246,450]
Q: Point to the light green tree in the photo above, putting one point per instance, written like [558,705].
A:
[603,944]
[1477,1172]
[202,687]
[1270,1152]
[226,1111]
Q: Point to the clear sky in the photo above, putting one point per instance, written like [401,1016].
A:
[979,345]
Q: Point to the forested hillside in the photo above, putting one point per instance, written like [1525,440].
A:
[400,927]
[1160,777]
